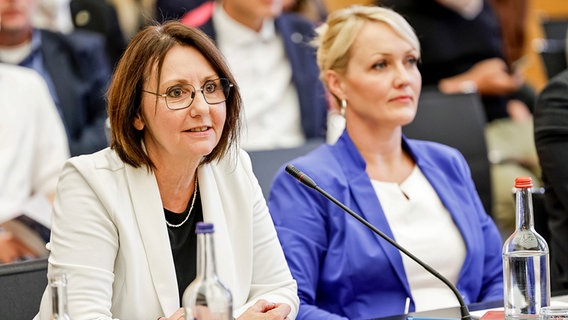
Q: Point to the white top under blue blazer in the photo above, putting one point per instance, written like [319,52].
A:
[345,270]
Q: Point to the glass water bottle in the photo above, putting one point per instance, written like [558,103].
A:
[206,298]
[58,291]
[526,272]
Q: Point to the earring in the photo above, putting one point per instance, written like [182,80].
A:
[343,107]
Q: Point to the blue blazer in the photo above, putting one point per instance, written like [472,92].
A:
[296,33]
[345,270]
[79,68]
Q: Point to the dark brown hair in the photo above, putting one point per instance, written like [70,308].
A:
[148,48]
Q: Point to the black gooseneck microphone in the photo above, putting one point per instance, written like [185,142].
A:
[306,180]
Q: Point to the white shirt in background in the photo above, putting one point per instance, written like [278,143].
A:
[264,76]
[33,146]
[54,15]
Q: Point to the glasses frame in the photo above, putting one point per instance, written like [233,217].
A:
[165,95]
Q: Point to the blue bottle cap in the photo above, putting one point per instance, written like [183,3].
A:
[204,227]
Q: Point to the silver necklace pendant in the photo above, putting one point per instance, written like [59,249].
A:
[171,225]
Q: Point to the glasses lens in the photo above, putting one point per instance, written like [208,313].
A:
[179,96]
[216,91]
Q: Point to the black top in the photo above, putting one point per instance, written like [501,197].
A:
[452,44]
[183,241]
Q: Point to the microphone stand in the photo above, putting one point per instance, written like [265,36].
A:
[306,180]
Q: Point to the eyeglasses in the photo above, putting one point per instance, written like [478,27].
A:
[181,96]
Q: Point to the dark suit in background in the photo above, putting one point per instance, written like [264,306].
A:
[551,139]
[175,9]
[79,69]
[76,68]
[451,44]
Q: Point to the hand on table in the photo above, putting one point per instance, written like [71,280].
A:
[178,315]
[263,309]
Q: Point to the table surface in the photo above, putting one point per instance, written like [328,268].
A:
[454,313]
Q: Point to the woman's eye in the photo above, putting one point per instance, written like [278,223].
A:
[412,60]
[175,92]
[210,87]
[380,65]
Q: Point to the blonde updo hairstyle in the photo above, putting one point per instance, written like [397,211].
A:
[335,37]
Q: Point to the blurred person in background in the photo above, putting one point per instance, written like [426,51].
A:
[33,148]
[134,15]
[269,52]
[512,16]
[175,9]
[513,20]
[74,66]
[313,10]
[54,15]
[551,139]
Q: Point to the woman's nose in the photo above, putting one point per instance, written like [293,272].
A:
[402,75]
[199,105]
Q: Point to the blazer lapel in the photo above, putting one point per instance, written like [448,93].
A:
[451,200]
[148,211]
[367,201]
[214,212]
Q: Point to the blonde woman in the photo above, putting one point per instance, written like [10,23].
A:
[419,193]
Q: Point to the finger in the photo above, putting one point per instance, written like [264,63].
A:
[178,315]
[264,306]
[282,310]
[269,306]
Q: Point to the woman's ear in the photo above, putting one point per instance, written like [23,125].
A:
[335,84]
[139,122]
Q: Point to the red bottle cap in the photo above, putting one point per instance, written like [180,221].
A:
[523,182]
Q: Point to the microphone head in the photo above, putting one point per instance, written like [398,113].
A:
[300,176]
[293,171]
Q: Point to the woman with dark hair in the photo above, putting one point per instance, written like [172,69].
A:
[124,218]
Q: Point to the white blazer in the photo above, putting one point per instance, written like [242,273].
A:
[110,237]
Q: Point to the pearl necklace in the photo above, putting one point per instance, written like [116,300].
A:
[190,208]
